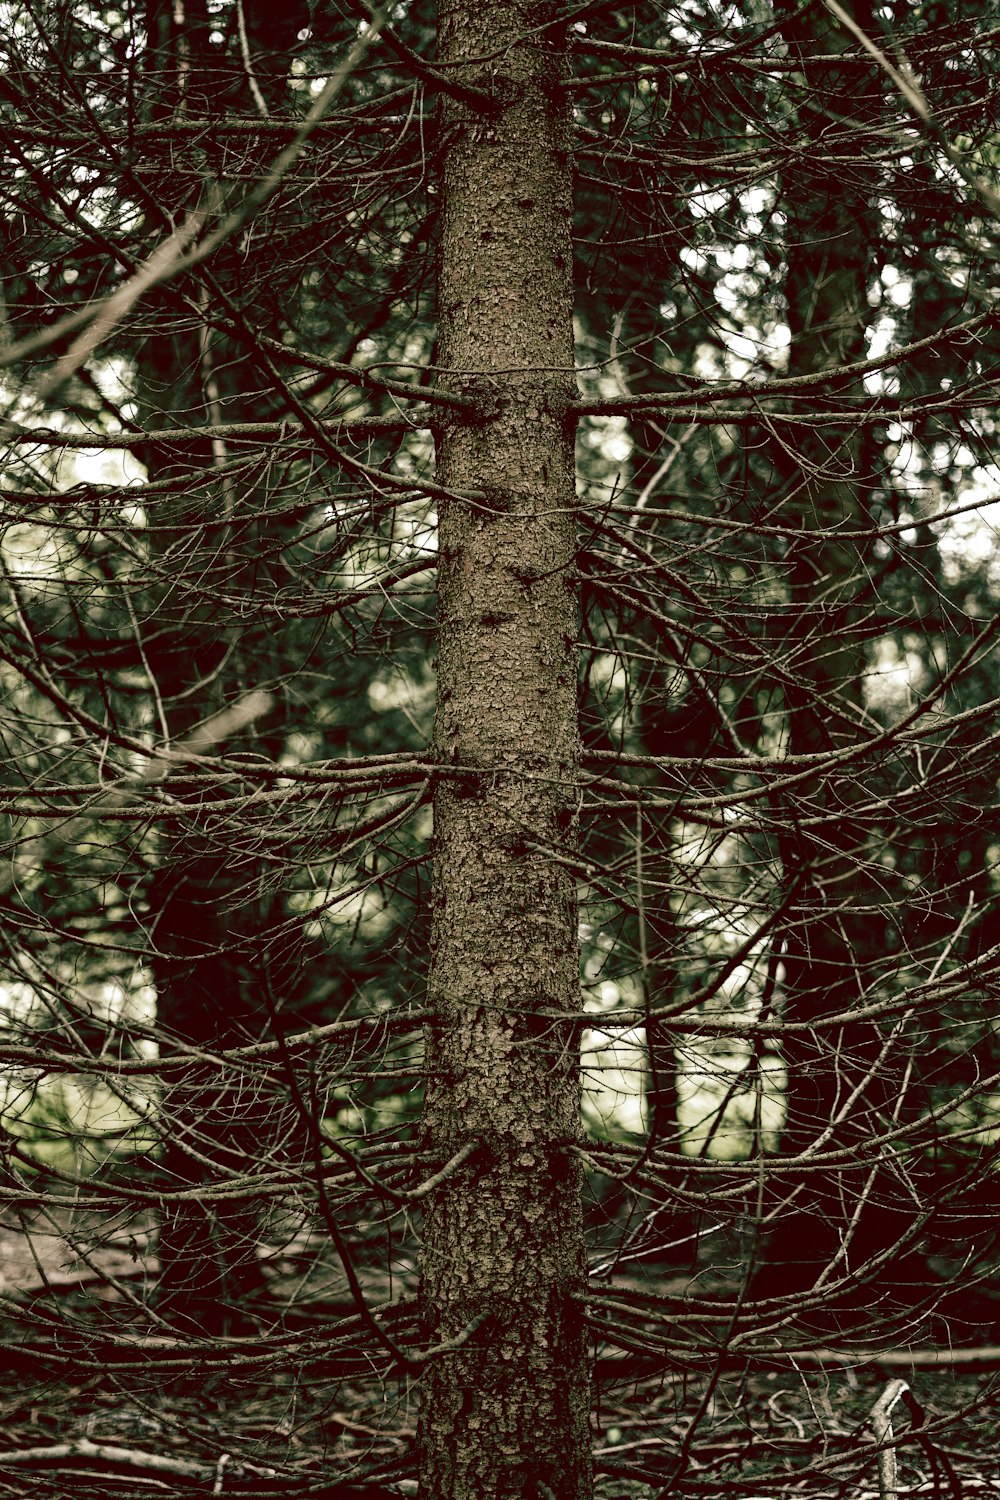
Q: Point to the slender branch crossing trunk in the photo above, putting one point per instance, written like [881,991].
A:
[506,1414]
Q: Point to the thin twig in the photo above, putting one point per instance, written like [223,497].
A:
[881,1424]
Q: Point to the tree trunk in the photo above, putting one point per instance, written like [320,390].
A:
[507,1413]
[829,237]
[834,932]
[209,925]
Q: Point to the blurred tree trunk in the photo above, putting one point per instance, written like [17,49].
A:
[506,1414]
[837,1078]
[208,919]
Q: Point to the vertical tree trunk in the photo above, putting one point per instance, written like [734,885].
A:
[208,923]
[829,240]
[835,931]
[506,1414]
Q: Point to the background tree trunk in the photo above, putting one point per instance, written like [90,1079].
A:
[834,926]
[503,1257]
[208,918]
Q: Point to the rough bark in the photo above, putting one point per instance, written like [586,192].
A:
[507,1413]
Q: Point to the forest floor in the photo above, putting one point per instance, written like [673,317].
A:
[242,1426]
